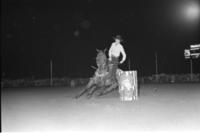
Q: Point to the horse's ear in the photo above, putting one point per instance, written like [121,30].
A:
[105,50]
[97,50]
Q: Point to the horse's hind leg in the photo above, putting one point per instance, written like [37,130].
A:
[107,90]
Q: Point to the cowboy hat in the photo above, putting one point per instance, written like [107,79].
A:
[119,37]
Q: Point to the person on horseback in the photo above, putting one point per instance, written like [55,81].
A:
[114,52]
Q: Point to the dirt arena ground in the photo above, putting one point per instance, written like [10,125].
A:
[160,107]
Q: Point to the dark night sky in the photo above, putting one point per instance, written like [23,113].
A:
[69,31]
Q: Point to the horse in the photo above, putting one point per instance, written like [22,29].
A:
[102,79]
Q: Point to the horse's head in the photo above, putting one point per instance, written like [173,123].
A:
[101,58]
[101,61]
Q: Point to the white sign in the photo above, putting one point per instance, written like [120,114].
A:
[195,55]
[195,51]
[187,53]
[195,47]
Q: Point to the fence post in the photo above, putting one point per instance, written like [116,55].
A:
[156,63]
[51,73]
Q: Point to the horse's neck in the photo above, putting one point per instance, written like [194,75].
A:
[102,68]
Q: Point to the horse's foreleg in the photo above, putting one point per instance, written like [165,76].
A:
[81,93]
[91,91]
[85,89]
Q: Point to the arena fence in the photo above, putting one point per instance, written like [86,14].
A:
[74,82]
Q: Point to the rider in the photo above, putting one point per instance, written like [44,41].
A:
[114,53]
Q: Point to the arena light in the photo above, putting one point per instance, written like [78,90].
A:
[191,11]
[186,13]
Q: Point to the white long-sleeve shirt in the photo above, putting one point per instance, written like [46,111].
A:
[115,50]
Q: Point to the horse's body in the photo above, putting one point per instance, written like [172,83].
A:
[102,79]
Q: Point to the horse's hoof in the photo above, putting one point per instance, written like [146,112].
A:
[100,94]
[89,96]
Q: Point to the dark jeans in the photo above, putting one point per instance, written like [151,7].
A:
[115,62]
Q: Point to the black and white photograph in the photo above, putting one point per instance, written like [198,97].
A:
[100,66]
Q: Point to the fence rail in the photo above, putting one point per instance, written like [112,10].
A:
[162,78]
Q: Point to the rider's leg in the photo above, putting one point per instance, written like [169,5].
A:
[115,66]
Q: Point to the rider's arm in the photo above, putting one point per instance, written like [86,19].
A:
[123,54]
[110,52]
